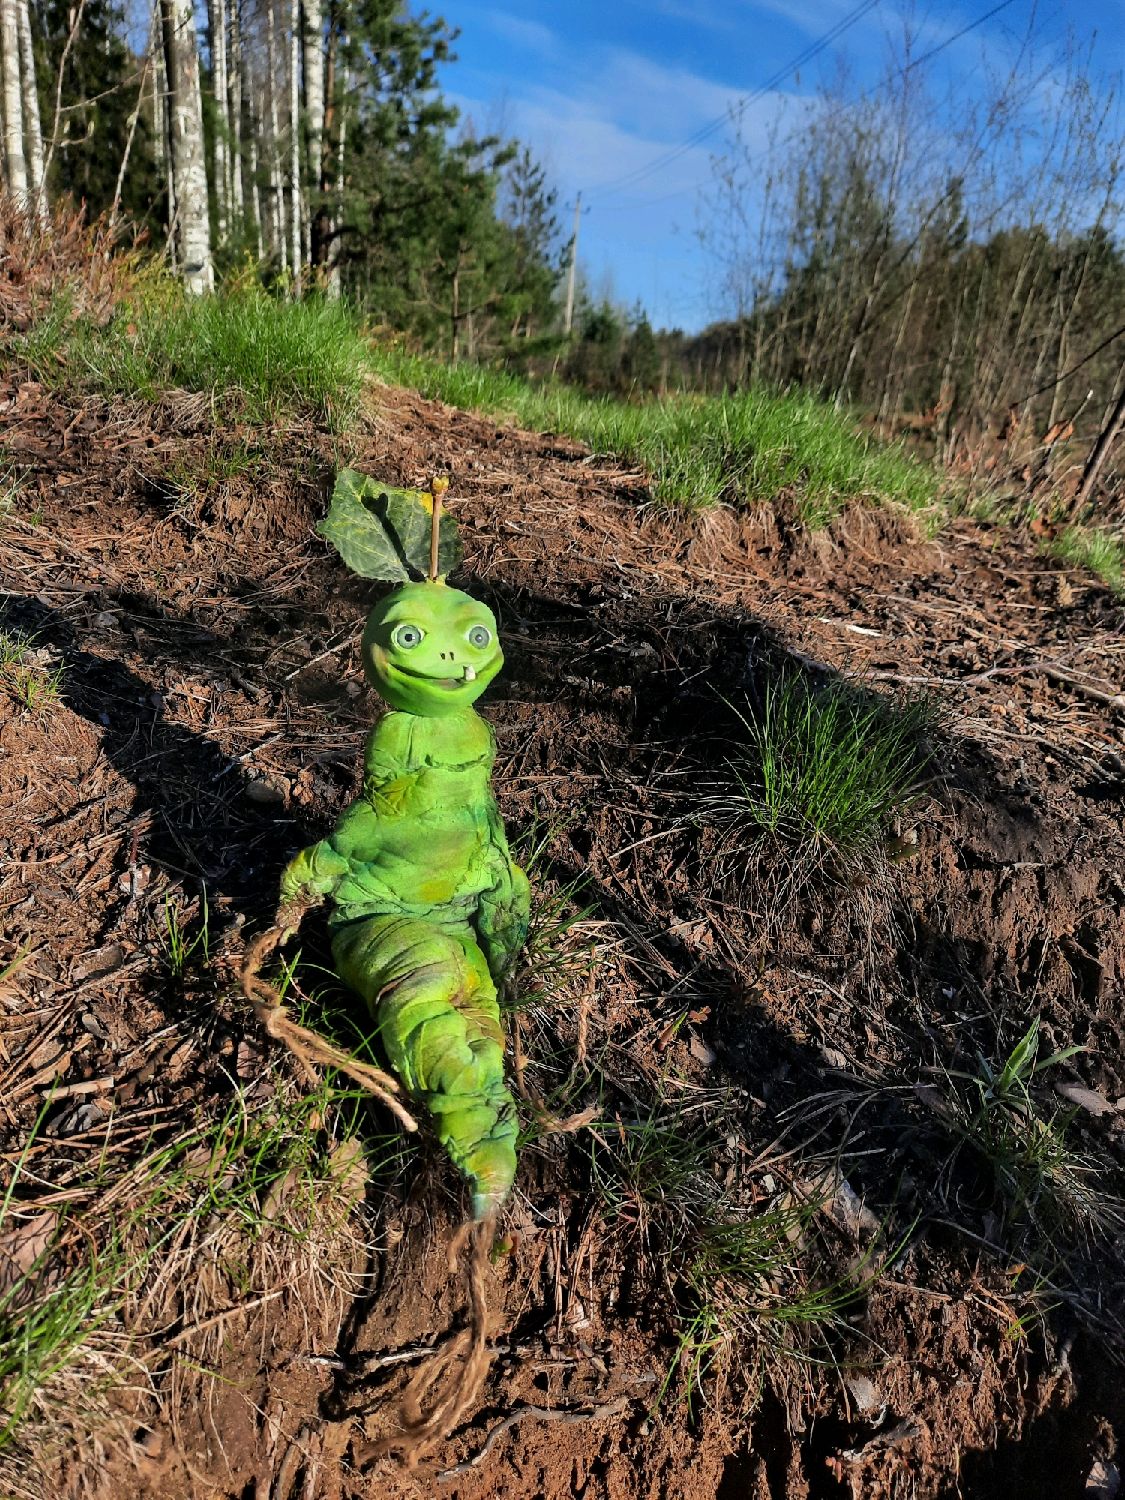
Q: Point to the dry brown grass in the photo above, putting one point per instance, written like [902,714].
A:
[61,260]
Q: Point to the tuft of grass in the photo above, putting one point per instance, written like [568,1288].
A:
[12,480]
[35,687]
[1096,548]
[1036,1172]
[824,772]
[743,1287]
[38,692]
[180,948]
[190,478]
[654,1170]
[14,646]
[743,449]
[253,354]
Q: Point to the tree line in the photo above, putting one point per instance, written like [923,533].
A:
[950,262]
[309,138]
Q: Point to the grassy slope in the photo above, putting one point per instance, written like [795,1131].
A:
[265,358]
[747,448]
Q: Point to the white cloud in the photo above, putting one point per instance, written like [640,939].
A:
[533,36]
[610,117]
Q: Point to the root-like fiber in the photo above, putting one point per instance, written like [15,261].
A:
[461,1364]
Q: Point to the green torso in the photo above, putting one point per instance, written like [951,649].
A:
[425,836]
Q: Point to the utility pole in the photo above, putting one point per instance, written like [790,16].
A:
[568,319]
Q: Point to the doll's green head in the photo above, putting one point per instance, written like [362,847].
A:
[431,650]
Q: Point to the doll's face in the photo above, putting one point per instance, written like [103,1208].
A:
[430,650]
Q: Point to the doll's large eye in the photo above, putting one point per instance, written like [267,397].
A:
[407,636]
[479,636]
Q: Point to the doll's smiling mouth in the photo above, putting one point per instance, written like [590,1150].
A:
[469,673]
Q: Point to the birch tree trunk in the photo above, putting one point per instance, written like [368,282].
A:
[277,196]
[314,111]
[255,194]
[334,276]
[234,112]
[189,164]
[15,162]
[33,129]
[295,134]
[217,26]
[159,90]
[164,55]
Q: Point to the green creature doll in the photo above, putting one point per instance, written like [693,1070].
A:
[428,909]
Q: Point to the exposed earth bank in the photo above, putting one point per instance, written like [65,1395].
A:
[209,719]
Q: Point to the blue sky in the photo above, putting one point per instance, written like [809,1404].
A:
[602,89]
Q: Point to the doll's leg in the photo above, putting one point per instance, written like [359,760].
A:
[435,1007]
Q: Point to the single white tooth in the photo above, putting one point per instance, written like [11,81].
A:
[470,674]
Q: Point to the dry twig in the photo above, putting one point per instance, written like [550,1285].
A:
[544,1414]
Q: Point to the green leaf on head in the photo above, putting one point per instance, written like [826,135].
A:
[381,532]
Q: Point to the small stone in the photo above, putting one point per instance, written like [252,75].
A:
[701,1052]
[266,793]
[865,1393]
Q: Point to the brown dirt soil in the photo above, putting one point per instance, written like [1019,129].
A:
[210,721]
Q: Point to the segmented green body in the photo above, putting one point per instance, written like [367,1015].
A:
[428,908]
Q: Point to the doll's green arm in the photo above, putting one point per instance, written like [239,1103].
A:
[503,912]
[314,874]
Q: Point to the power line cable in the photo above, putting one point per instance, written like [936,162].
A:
[832,114]
[811,51]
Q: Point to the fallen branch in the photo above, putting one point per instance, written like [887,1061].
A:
[544,1414]
[1114,701]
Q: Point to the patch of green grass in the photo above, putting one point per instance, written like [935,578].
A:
[14,646]
[743,449]
[35,688]
[181,947]
[37,692]
[1097,549]
[256,355]
[653,1170]
[558,956]
[41,348]
[742,1286]
[1037,1173]
[824,771]
[191,477]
